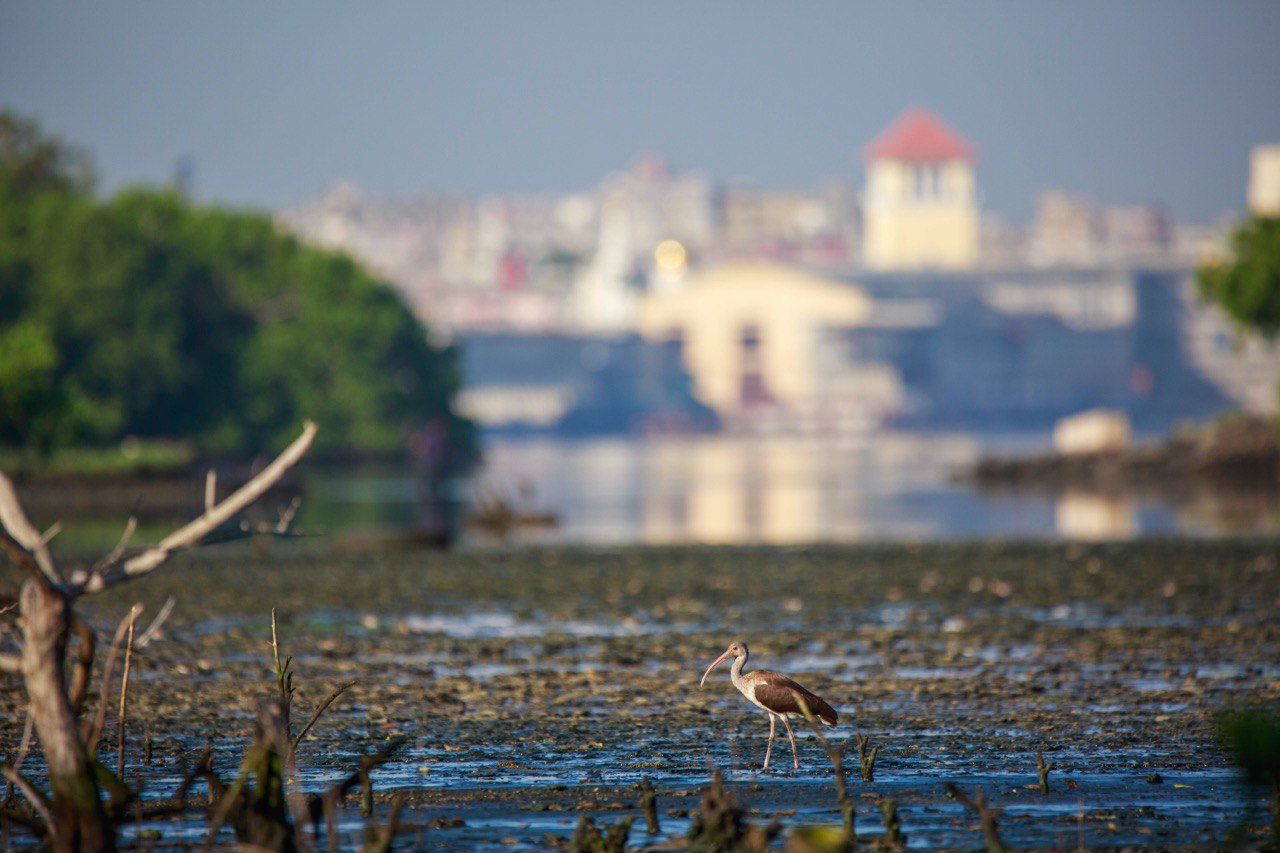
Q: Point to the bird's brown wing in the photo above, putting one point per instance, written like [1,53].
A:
[782,696]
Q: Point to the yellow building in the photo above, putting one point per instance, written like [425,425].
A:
[751,335]
[920,207]
[1264,180]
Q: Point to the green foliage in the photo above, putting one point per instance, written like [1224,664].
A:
[1253,737]
[31,162]
[144,315]
[1248,284]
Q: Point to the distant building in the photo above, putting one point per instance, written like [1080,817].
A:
[920,210]
[1136,231]
[660,301]
[755,337]
[519,383]
[1068,230]
[1264,180]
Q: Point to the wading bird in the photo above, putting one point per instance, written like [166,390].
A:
[773,693]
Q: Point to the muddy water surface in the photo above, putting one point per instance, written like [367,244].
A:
[534,686]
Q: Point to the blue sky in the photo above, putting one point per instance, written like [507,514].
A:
[1143,101]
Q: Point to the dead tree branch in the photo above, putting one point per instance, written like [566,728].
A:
[84,661]
[287,515]
[337,691]
[28,549]
[194,532]
[124,696]
[77,817]
[987,815]
[1042,770]
[25,747]
[94,732]
[153,630]
[37,801]
[117,552]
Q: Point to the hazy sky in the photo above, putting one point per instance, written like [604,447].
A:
[274,102]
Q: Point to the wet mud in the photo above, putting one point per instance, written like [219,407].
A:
[535,686]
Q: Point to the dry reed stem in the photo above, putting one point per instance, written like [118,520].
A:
[338,691]
[124,696]
[37,802]
[94,732]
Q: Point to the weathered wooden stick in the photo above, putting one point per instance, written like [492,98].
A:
[54,530]
[94,731]
[37,802]
[381,842]
[124,695]
[27,730]
[46,603]
[153,630]
[866,759]
[986,814]
[84,661]
[893,835]
[284,678]
[113,557]
[192,533]
[338,691]
[1042,771]
[24,544]
[287,515]
[649,804]
[34,825]
[229,796]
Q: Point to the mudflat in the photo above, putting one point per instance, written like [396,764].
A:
[533,686]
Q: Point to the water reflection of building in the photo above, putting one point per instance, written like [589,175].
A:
[1092,516]
[735,491]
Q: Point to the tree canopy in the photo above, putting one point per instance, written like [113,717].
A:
[1247,285]
[146,315]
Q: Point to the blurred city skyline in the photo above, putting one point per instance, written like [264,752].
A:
[1139,102]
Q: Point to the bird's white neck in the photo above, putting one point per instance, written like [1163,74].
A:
[735,673]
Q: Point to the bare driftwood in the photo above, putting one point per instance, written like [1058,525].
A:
[649,804]
[867,758]
[1042,770]
[75,812]
[988,815]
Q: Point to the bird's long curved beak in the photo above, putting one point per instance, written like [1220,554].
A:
[724,657]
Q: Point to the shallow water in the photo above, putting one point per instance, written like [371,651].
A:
[726,489]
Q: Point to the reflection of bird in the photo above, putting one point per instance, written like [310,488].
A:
[775,694]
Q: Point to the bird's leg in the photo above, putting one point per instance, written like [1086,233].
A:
[773,722]
[794,757]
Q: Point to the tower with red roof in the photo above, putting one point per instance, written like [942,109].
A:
[920,207]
